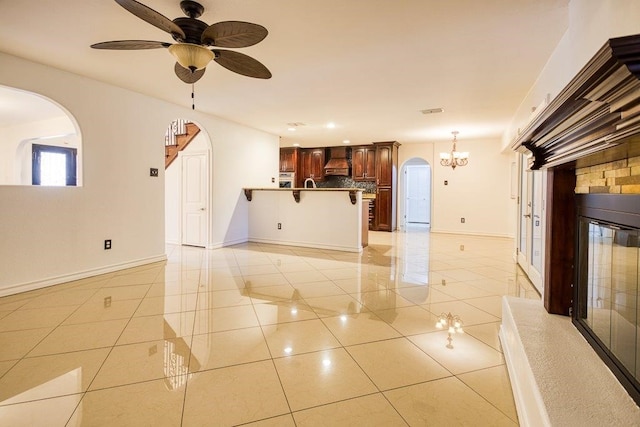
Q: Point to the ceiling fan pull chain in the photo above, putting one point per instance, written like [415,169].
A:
[193,102]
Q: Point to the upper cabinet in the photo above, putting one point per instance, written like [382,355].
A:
[313,160]
[385,162]
[363,163]
[289,159]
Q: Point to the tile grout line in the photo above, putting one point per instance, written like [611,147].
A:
[106,357]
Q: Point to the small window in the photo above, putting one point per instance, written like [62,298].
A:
[54,166]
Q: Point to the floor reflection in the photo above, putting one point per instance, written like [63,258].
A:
[329,323]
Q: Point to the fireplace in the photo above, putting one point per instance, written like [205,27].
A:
[606,307]
[588,140]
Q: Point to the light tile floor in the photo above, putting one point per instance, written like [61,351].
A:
[271,336]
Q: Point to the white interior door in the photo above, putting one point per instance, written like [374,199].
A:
[418,207]
[531,224]
[195,201]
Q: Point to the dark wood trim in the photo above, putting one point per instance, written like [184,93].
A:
[296,195]
[597,110]
[619,209]
[560,241]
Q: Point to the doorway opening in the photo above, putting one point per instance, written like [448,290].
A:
[187,192]
[417,194]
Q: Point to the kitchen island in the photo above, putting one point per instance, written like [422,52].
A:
[324,218]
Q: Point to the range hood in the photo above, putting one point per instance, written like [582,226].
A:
[338,163]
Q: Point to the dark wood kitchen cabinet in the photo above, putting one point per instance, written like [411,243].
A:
[386,185]
[386,164]
[289,159]
[313,160]
[384,202]
[363,163]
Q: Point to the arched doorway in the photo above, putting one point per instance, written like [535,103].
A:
[416,173]
[187,185]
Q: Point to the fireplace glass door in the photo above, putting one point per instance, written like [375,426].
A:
[608,290]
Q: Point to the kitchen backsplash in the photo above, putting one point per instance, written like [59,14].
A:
[346,182]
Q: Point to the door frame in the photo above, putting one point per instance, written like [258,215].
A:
[206,171]
[408,168]
[402,189]
[176,239]
[527,206]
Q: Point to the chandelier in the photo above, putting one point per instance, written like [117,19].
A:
[454,158]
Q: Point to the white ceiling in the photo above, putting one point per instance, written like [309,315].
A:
[369,66]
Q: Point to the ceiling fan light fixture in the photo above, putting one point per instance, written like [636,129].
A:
[191,56]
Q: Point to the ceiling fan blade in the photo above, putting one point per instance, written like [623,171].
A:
[152,17]
[241,64]
[234,34]
[186,75]
[130,45]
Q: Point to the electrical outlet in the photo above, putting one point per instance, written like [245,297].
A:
[107,244]
[273,180]
[462,247]
[153,172]
[446,182]
[279,226]
[462,220]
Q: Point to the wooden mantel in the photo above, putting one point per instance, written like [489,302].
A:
[597,110]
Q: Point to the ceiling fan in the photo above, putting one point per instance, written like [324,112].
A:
[194,38]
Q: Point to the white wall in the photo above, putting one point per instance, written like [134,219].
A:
[50,235]
[591,24]
[322,219]
[478,192]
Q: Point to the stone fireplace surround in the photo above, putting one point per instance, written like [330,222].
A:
[587,139]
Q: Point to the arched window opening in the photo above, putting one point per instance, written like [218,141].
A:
[39,141]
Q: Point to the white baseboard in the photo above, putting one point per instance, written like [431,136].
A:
[50,281]
[472,233]
[218,245]
[307,245]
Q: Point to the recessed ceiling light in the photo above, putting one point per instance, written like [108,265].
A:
[331,125]
[291,129]
[346,141]
[432,111]
[296,145]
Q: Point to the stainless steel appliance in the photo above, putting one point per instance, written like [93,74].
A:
[287,179]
